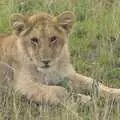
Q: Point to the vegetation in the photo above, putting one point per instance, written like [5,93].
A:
[95,51]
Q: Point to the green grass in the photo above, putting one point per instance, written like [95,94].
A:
[95,51]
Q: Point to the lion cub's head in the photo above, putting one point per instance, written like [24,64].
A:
[42,37]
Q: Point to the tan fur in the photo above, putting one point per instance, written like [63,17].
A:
[36,40]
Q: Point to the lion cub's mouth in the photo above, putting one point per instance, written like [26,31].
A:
[45,66]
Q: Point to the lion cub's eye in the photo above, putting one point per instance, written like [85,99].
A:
[53,39]
[34,40]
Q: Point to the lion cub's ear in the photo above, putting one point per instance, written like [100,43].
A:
[17,22]
[66,20]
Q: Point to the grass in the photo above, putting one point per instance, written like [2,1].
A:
[94,44]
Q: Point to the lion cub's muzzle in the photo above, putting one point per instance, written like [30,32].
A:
[46,63]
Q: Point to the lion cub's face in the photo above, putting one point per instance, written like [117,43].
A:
[42,37]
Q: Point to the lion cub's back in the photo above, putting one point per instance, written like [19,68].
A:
[7,46]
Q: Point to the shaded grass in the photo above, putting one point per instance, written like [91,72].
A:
[94,45]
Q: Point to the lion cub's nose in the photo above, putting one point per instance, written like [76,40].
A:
[46,61]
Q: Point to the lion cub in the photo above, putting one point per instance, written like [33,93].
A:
[37,52]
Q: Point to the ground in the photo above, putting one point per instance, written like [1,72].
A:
[94,44]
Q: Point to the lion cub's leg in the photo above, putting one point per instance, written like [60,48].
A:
[41,93]
[86,83]
[25,85]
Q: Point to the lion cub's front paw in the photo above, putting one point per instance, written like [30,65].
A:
[56,95]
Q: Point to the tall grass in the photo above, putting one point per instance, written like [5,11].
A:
[94,44]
